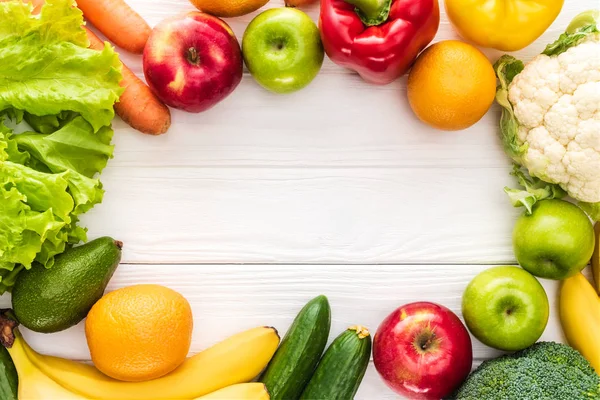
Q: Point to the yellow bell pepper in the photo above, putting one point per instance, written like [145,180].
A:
[506,25]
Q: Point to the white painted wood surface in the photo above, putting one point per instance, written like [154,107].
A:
[336,189]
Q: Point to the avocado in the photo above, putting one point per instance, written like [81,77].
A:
[52,300]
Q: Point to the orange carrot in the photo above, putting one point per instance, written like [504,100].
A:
[138,106]
[118,22]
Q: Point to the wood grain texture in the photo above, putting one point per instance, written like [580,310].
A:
[340,173]
[228,298]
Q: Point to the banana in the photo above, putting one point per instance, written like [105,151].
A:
[242,391]
[579,308]
[238,359]
[33,383]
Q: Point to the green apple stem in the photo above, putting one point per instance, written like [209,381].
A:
[192,56]
[372,12]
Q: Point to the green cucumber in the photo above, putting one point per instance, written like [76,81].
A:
[342,367]
[296,359]
[8,376]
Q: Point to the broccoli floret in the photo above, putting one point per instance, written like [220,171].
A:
[544,371]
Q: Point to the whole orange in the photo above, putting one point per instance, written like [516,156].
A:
[451,86]
[228,8]
[139,332]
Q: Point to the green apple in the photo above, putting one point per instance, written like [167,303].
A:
[506,308]
[282,49]
[556,241]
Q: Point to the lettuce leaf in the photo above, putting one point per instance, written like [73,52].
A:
[65,92]
[46,67]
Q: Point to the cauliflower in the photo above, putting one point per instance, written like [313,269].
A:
[551,118]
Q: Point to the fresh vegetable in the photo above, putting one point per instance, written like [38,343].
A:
[579,308]
[137,106]
[118,22]
[300,350]
[241,391]
[228,8]
[379,39]
[293,59]
[236,360]
[140,332]
[193,61]
[422,351]
[555,241]
[506,308]
[65,92]
[543,371]
[9,380]
[502,26]
[550,117]
[451,85]
[596,259]
[53,300]
[342,367]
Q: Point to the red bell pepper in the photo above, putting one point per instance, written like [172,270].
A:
[379,39]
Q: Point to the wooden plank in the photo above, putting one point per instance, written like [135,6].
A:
[312,215]
[228,298]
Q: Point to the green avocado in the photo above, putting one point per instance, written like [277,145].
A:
[52,300]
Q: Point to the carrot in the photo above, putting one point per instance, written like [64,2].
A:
[138,106]
[118,22]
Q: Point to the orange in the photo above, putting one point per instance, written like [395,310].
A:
[451,86]
[228,8]
[139,332]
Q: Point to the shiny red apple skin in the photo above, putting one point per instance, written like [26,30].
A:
[422,374]
[173,73]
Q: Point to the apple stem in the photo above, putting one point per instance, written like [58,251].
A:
[193,56]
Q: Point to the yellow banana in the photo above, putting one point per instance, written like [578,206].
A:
[238,359]
[33,383]
[242,391]
[579,308]
[596,260]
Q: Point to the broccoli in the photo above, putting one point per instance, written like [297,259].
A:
[544,371]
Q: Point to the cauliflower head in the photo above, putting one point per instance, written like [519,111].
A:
[551,118]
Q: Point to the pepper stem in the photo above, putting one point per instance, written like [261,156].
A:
[372,12]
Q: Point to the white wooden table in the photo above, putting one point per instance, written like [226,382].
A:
[256,206]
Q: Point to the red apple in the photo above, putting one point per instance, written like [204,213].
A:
[192,61]
[423,351]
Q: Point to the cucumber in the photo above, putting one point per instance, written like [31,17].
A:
[342,367]
[8,376]
[296,359]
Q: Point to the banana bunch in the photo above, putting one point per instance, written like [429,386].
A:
[579,308]
[216,373]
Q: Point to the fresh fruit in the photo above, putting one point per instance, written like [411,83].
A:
[33,383]
[298,3]
[52,300]
[451,85]
[506,308]
[238,359]
[342,367]
[241,391]
[118,22]
[422,351]
[9,380]
[596,259]
[579,308]
[300,350]
[193,61]
[556,241]
[139,332]
[228,8]
[282,49]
